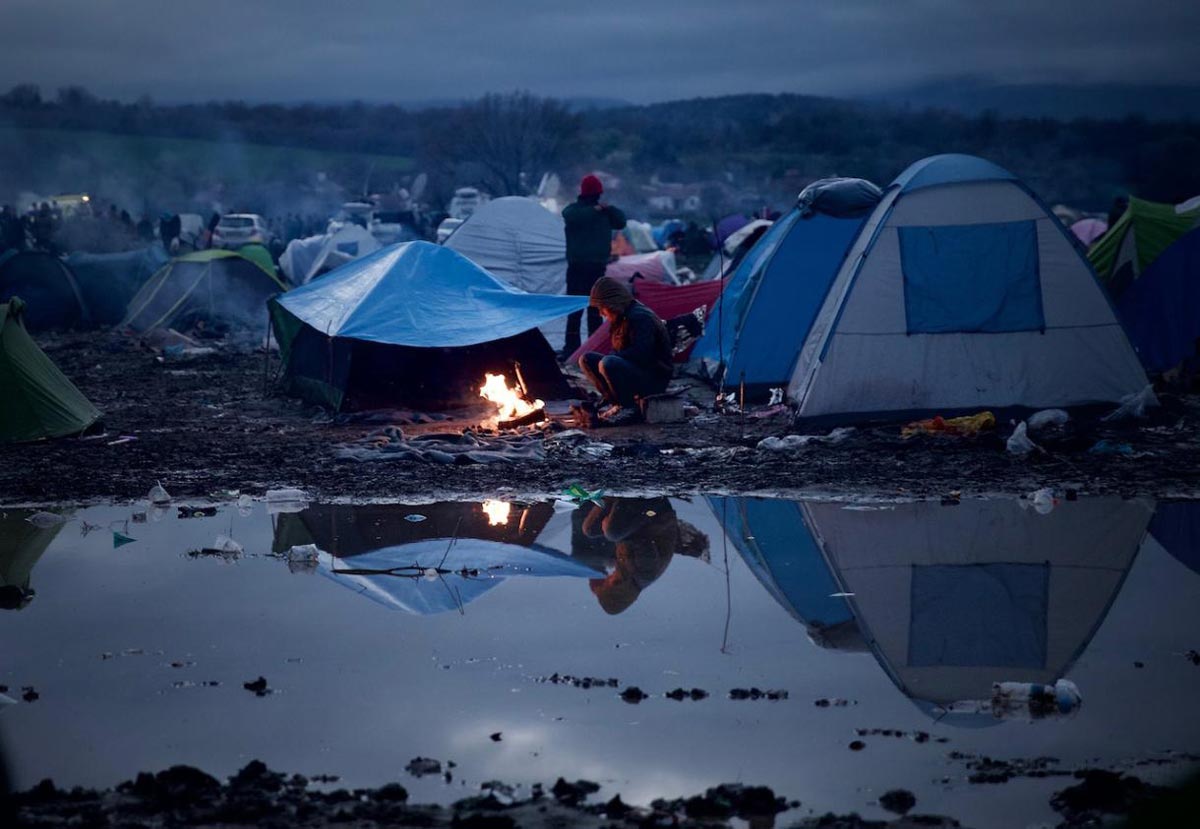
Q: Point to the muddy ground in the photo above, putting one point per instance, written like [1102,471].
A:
[212,423]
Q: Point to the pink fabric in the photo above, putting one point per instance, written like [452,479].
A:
[665,300]
[653,266]
[1089,230]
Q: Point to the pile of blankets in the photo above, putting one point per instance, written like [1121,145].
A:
[466,447]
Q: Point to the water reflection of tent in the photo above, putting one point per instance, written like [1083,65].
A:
[952,599]
[374,550]
[21,545]
[48,285]
[773,540]
[1176,526]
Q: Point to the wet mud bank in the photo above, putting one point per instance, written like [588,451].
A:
[215,423]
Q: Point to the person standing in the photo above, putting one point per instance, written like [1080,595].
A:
[588,224]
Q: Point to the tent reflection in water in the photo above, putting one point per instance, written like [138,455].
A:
[21,545]
[377,551]
[949,599]
[773,540]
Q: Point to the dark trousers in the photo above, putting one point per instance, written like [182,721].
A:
[617,379]
[581,276]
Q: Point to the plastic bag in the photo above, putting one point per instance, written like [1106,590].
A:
[1047,417]
[158,495]
[1133,405]
[1019,443]
[1043,501]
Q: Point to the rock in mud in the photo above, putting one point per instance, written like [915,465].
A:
[899,801]
[257,686]
[1100,793]
[177,786]
[573,793]
[857,745]
[680,694]
[421,766]
[633,695]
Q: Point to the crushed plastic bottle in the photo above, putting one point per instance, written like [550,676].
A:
[303,552]
[1036,699]
[158,495]
[776,397]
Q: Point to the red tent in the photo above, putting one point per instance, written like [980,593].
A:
[665,300]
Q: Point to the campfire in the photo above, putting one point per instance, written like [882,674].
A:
[512,409]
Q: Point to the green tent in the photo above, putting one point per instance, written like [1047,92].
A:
[21,545]
[261,257]
[1136,239]
[38,401]
[223,287]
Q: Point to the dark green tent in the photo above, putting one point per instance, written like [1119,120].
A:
[222,287]
[38,401]
[109,280]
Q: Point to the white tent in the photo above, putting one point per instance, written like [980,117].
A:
[952,599]
[305,259]
[522,243]
[959,291]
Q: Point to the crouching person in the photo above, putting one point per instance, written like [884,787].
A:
[641,361]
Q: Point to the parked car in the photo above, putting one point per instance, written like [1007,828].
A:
[466,200]
[448,226]
[391,226]
[237,229]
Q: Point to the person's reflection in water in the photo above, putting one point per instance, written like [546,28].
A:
[635,538]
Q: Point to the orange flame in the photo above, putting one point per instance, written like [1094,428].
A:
[497,512]
[509,403]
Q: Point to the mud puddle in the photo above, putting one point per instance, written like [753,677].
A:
[834,651]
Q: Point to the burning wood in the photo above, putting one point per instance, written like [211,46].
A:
[512,409]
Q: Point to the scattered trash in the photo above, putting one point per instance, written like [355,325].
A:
[966,426]
[1110,447]
[120,539]
[42,520]
[122,439]
[225,544]
[789,442]
[1133,405]
[776,397]
[158,495]
[1047,417]
[1035,699]
[1018,442]
[580,495]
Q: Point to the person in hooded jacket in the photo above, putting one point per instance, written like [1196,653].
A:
[641,362]
[588,224]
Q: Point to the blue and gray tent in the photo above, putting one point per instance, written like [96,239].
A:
[1161,309]
[958,290]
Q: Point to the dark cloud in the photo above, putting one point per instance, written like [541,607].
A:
[640,51]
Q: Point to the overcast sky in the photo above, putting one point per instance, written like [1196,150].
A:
[652,50]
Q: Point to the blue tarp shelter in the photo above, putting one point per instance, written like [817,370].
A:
[1161,310]
[413,324]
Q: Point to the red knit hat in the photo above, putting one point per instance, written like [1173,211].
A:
[590,186]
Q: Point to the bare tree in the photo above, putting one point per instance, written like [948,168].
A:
[510,140]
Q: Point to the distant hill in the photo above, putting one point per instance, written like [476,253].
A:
[1061,101]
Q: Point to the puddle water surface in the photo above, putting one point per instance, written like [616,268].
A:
[500,637]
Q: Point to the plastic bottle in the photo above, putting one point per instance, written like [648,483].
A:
[1060,698]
